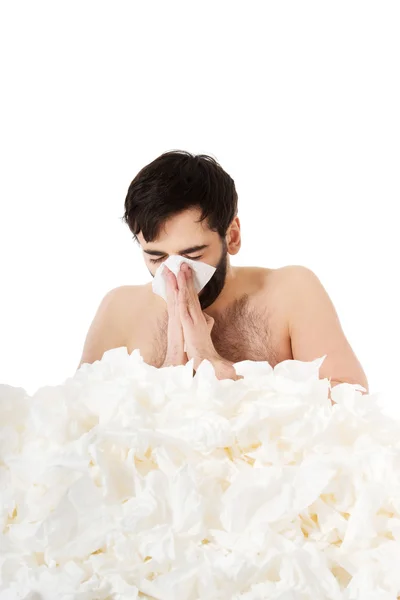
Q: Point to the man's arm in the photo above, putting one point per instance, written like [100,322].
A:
[106,330]
[315,329]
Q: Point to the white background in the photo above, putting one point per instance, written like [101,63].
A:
[299,101]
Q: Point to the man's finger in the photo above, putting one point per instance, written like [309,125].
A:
[209,320]
[189,280]
[182,286]
[183,304]
[169,276]
[185,280]
[171,288]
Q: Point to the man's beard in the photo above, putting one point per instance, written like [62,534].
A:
[214,287]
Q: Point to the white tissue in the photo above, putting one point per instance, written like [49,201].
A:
[202,273]
[191,488]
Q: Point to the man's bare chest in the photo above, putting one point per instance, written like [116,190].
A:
[242,332]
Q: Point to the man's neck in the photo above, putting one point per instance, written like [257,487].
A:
[227,295]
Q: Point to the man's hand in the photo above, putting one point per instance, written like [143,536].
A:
[175,353]
[197,326]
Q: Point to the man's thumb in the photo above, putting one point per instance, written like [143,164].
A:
[210,321]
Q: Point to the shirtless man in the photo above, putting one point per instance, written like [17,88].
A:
[185,204]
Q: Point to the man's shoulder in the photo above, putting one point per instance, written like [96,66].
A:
[269,279]
[294,289]
[129,296]
[281,286]
[288,275]
[127,291]
[116,313]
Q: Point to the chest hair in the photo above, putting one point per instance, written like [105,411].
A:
[241,333]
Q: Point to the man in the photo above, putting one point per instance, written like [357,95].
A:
[185,204]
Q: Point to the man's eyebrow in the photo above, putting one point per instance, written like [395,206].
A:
[185,251]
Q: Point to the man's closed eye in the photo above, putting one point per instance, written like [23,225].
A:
[157,260]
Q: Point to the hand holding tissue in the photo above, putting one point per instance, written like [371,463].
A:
[202,273]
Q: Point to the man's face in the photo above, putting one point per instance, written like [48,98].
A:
[182,235]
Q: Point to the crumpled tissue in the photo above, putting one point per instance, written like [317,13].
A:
[202,273]
[128,481]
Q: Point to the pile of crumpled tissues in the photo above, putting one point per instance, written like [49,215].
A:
[128,481]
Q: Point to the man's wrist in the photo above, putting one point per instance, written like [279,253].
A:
[210,355]
[175,360]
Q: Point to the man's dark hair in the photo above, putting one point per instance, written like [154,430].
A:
[174,182]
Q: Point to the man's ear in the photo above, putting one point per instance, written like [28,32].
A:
[233,237]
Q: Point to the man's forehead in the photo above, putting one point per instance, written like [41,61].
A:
[178,239]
